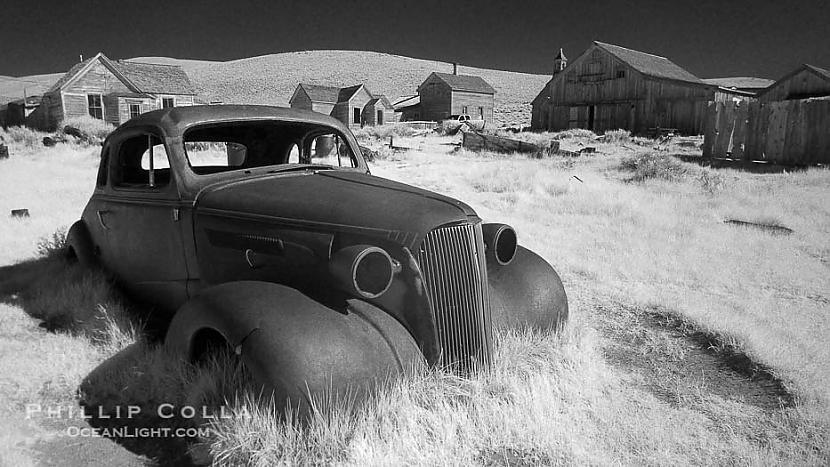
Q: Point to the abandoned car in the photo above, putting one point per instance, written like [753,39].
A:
[261,228]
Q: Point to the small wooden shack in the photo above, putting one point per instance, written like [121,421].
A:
[609,87]
[355,106]
[443,95]
[804,82]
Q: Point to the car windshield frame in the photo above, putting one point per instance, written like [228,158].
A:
[315,130]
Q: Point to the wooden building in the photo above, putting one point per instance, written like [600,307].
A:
[113,91]
[442,95]
[804,82]
[355,106]
[408,108]
[609,87]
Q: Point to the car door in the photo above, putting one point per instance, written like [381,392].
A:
[141,213]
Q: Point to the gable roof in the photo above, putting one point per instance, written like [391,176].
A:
[319,93]
[820,72]
[156,79]
[406,101]
[650,65]
[347,93]
[140,77]
[740,82]
[382,99]
[465,83]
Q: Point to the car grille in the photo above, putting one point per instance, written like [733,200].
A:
[455,273]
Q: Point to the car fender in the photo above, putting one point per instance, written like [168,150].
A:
[296,346]
[79,245]
[527,292]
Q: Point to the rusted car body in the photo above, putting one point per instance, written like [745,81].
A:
[261,228]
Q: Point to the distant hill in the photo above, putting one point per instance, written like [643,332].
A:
[271,79]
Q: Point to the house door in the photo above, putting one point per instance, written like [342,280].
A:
[380,117]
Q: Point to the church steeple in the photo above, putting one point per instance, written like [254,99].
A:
[560,62]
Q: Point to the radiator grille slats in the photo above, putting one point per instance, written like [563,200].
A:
[452,262]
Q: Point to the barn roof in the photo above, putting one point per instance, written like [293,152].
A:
[740,82]
[465,83]
[142,77]
[156,79]
[650,65]
[819,71]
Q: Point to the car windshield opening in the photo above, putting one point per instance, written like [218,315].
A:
[222,147]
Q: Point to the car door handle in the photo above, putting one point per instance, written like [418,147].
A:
[101,219]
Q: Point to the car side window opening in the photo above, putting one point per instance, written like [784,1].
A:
[215,148]
[142,163]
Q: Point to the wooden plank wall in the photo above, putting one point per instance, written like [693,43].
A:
[788,132]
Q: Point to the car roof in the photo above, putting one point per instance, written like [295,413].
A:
[175,120]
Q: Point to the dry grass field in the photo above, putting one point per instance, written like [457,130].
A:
[691,340]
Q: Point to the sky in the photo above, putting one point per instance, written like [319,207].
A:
[709,38]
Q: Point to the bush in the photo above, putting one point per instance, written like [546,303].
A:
[92,130]
[53,246]
[617,136]
[24,136]
[383,131]
[711,181]
[574,133]
[652,165]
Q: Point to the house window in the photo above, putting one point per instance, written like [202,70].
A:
[481,113]
[464,110]
[167,102]
[135,110]
[620,73]
[380,117]
[96,107]
[356,117]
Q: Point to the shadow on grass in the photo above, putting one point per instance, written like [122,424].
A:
[85,303]
[740,164]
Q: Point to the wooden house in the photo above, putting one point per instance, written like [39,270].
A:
[804,82]
[378,111]
[442,95]
[609,87]
[355,106]
[113,91]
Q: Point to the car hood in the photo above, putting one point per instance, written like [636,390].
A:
[334,200]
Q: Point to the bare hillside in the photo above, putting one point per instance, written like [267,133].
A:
[271,79]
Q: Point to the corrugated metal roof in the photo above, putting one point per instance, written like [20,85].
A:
[156,79]
[466,83]
[650,65]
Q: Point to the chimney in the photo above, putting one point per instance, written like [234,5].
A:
[455,68]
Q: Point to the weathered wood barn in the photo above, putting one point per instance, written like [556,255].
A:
[355,106]
[443,94]
[609,87]
[804,82]
[113,91]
